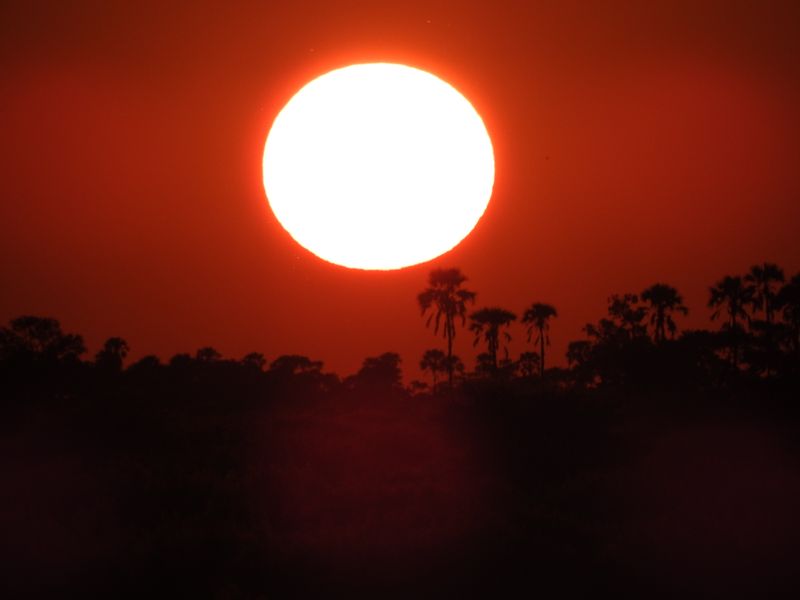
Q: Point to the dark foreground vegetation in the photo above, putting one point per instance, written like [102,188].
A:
[656,465]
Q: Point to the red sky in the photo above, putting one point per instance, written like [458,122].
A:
[635,142]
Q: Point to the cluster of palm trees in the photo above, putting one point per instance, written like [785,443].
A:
[749,304]
[761,299]
[445,302]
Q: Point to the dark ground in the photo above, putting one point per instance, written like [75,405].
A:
[227,488]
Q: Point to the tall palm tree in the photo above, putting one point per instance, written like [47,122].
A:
[765,279]
[663,300]
[486,323]
[447,301]
[537,317]
[731,295]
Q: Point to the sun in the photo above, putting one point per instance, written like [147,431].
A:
[378,166]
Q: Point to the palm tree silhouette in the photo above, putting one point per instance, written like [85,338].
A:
[537,317]
[447,300]
[731,295]
[486,324]
[529,363]
[663,300]
[627,314]
[455,364]
[789,299]
[764,279]
[435,361]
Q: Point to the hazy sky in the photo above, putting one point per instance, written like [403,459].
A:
[635,142]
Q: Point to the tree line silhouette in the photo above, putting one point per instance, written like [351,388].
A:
[637,342]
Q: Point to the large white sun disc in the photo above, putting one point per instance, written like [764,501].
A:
[378,166]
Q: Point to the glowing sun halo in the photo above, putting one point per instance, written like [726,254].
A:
[378,166]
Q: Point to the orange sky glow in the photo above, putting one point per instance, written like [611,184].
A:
[635,143]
